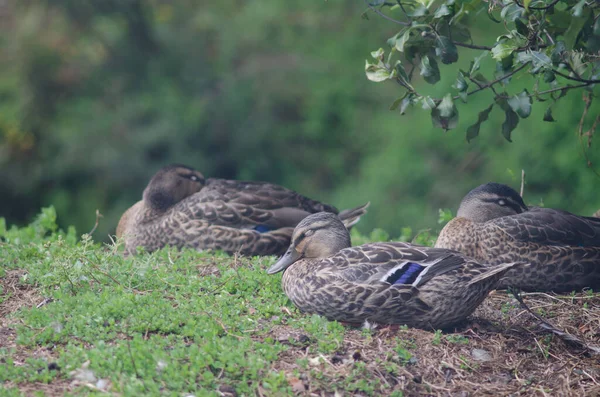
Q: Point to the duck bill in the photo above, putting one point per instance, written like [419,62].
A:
[285,261]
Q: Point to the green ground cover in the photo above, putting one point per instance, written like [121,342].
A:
[78,318]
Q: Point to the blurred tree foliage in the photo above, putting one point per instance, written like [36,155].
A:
[97,95]
[557,42]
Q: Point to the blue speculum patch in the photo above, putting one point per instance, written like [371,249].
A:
[407,274]
[262,228]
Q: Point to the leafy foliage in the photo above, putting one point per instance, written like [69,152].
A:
[555,41]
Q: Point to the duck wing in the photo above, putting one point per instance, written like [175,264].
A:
[393,263]
[551,227]
[253,205]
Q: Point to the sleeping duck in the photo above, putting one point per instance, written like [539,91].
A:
[181,208]
[493,225]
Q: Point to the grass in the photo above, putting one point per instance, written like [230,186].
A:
[78,318]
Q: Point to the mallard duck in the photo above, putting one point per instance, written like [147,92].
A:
[385,283]
[493,225]
[181,208]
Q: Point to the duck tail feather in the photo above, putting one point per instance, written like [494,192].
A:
[351,216]
[498,270]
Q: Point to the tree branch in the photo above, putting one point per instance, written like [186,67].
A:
[381,14]
[491,83]
[567,87]
[566,76]
[472,46]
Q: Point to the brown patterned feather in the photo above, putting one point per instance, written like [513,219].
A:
[561,250]
[183,209]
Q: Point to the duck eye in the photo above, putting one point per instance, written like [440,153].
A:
[501,202]
[194,178]
[309,233]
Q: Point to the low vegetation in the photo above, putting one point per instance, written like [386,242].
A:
[78,318]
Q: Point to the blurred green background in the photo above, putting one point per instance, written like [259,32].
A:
[95,96]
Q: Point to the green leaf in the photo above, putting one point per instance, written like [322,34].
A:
[578,9]
[521,27]
[401,41]
[521,104]
[445,115]
[502,50]
[442,11]
[540,61]
[446,50]
[557,52]
[510,123]
[578,62]
[480,79]
[476,62]
[401,73]
[427,103]
[577,23]
[596,30]
[512,12]
[430,70]
[378,55]
[549,76]
[461,84]
[398,101]
[548,115]
[376,73]
[418,12]
[425,3]
[460,33]
[473,131]
[406,102]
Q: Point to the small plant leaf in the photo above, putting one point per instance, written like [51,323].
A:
[376,73]
[445,115]
[446,50]
[548,115]
[473,131]
[510,123]
[502,50]
[442,11]
[430,70]
[461,84]
[476,63]
[401,41]
[578,9]
[549,76]
[557,52]
[521,104]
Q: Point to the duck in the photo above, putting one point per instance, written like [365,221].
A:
[380,283]
[494,225]
[182,208]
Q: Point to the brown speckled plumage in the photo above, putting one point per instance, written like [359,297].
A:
[180,208]
[561,250]
[324,275]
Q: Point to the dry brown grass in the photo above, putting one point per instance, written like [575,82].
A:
[524,359]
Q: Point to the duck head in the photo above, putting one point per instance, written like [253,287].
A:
[170,185]
[318,235]
[490,201]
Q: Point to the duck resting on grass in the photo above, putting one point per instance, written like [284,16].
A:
[383,283]
[493,225]
[183,209]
